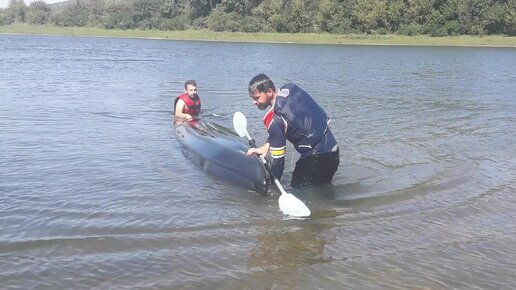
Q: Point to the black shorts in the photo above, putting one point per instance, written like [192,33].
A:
[316,169]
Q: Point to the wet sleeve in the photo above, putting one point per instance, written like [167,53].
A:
[278,142]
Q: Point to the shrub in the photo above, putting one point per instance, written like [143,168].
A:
[172,24]
[3,19]
[221,21]
[119,20]
[451,27]
[410,29]
[199,23]
[38,13]
[74,14]
[252,24]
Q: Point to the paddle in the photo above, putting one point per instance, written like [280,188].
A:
[288,203]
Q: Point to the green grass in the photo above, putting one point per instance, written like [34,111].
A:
[307,38]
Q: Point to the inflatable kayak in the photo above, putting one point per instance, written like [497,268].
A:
[220,152]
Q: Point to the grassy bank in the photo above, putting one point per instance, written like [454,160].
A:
[205,35]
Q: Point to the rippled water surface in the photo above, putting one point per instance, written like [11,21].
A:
[95,193]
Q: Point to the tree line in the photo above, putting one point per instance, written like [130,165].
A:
[405,17]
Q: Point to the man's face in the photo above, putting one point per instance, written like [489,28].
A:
[261,99]
[191,90]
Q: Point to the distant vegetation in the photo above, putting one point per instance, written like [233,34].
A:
[404,17]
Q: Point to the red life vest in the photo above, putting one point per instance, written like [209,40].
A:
[192,107]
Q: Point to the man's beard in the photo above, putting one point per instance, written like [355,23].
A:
[262,106]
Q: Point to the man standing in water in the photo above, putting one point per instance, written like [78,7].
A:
[296,117]
[188,105]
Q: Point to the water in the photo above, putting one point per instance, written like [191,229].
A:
[95,193]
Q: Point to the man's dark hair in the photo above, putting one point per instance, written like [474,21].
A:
[190,82]
[261,83]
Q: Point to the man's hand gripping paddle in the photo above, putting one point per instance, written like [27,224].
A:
[288,203]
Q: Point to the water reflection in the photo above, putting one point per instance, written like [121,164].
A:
[281,250]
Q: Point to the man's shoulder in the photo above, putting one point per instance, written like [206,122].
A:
[289,89]
[284,91]
[179,102]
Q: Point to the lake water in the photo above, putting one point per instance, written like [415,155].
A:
[95,193]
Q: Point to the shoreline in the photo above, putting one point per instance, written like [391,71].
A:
[496,41]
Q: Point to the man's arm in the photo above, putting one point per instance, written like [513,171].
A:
[277,148]
[180,106]
[275,145]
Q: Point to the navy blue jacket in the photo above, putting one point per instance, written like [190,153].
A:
[296,117]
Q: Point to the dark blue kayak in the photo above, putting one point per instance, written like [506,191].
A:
[220,152]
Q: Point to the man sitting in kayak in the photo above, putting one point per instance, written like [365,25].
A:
[296,117]
[188,105]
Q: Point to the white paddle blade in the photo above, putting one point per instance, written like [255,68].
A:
[240,124]
[292,206]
